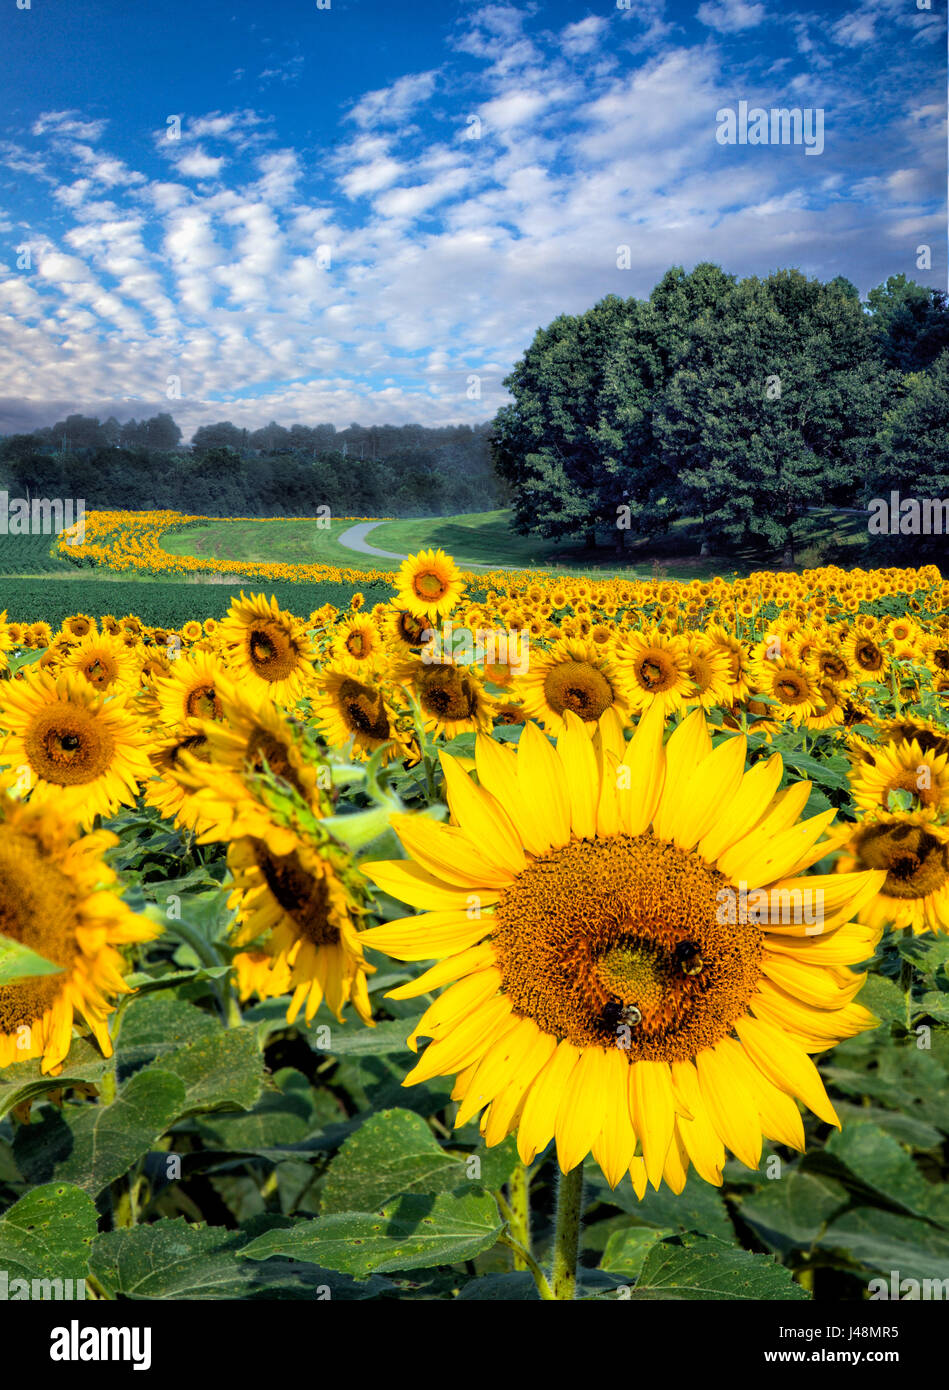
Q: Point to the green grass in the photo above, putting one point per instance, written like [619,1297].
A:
[274,542]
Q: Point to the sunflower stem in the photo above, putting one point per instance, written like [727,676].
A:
[907,974]
[518,1191]
[567,1234]
[540,1278]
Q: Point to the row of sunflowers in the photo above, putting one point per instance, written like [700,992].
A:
[131,542]
[578,773]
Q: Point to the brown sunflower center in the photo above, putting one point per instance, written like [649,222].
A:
[868,656]
[358,644]
[272,653]
[410,628]
[68,744]
[100,670]
[304,897]
[833,667]
[908,781]
[791,689]
[623,941]
[447,693]
[203,702]
[363,710]
[916,862]
[578,686]
[37,909]
[656,672]
[429,586]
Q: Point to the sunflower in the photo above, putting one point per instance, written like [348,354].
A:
[57,897]
[862,651]
[107,664]
[720,639]
[252,735]
[710,668]
[451,697]
[194,688]
[79,625]
[608,985]
[297,902]
[170,797]
[884,769]
[912,849]
[575,676]
[351,704]
[655,669]
[789,683]
[357,639]
[81,750]
[405,632]
[429,584]
[268,650]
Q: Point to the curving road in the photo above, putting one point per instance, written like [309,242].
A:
[355,539]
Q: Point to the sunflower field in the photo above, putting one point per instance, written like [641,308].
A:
[496,937]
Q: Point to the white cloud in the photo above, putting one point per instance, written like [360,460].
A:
[731,16]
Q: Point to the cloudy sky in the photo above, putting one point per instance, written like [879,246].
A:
[364,212]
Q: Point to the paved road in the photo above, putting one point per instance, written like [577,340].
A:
[355,539]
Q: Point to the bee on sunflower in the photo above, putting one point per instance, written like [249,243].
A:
[610,991]
[655,669]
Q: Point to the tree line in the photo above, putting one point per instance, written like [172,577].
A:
[142,465]
[737,403]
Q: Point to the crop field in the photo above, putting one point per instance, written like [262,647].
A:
[434,933]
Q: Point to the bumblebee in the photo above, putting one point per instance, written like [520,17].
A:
[688,958]
[617,1014]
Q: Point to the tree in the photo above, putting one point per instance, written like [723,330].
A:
[911,322]
[223,435]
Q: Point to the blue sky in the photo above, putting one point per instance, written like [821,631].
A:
[371,208]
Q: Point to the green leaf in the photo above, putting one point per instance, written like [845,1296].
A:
[224,1071]
[92,1145]
[791,1211]
[389,1036]
[394,1152]
[883,998]
[698,1208]
[885,1241]
[153,1025]
[411,1233]
[626,1250]
[880,1162]
[700,1267]
[25,1081]
[172,1259]
[48,1234]
[18,962]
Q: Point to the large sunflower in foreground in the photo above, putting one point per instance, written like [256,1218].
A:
[268,650]
[608,985]
[82,751]
[57,898]
[429,584]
